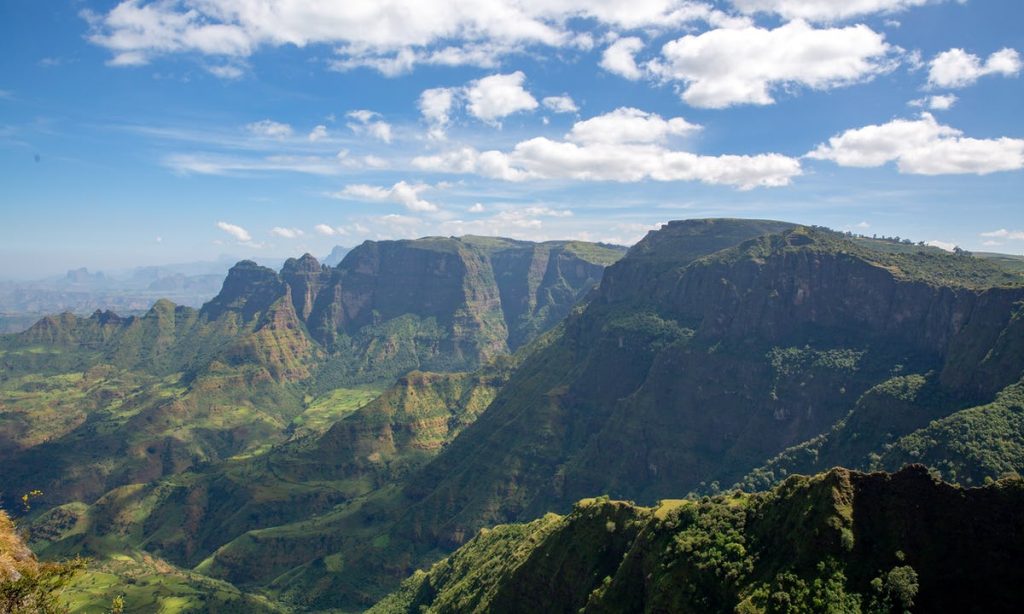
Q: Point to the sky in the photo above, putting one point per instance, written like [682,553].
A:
[144,132]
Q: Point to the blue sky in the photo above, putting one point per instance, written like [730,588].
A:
[146,132]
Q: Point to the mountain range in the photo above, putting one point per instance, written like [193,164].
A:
[312,436]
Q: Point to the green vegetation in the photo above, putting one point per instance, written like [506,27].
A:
[146,584]
[696,362]
[971,446]
[324,410]
[26,585]
[243,448]
[796,548]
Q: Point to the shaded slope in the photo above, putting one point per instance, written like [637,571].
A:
[230,379]
[695,362]
[843,540]
[714,366]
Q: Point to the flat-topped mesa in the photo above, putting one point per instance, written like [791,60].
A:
[673,246]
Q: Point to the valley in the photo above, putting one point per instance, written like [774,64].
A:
[310,438]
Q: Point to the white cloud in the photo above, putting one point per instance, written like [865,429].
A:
[362,115]
[389,35]
[620,58]
[477,208]
[365,124]
[436,105]
[405,194]
[489,99]
[217,164]
[286,233]
[235,231]
[1002,233]
[957,68]
[318,132]
[560,104]
[508,221]
[270,129]
[922,147]
[628,125]
[328,231]
[824,10]
[497,96]
[946,245]
[620,146]
[935,103]
[226,71]
[726,67]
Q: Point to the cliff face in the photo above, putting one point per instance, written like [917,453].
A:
[387,308]
[857,542]
[688,371]
[181,387]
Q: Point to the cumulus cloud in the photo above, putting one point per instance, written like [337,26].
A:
[270,129]
[560,104]
[628,125]
[286,233]
[405,194]
[488,99]
[624,145]
[935,103]
[922,147]
[317,133]
[497,96]
[957,68]
[239,233]
[1002,233]
[436,106]
[620,58]
[824,10]
[726,67]
[328,231]
[389,35]
[477,208]
[366,122]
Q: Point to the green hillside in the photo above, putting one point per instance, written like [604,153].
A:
[838,542]
[314,436]
[705,354]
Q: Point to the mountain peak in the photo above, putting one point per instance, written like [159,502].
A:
[305,264]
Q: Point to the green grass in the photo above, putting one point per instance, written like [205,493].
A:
[150,585]
[326,409]
[1009,262]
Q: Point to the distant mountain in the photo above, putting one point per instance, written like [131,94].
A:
[84,277]
[336,256]
[713,347]
[840,542]
[127,292]
[203,385]
[316,434]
